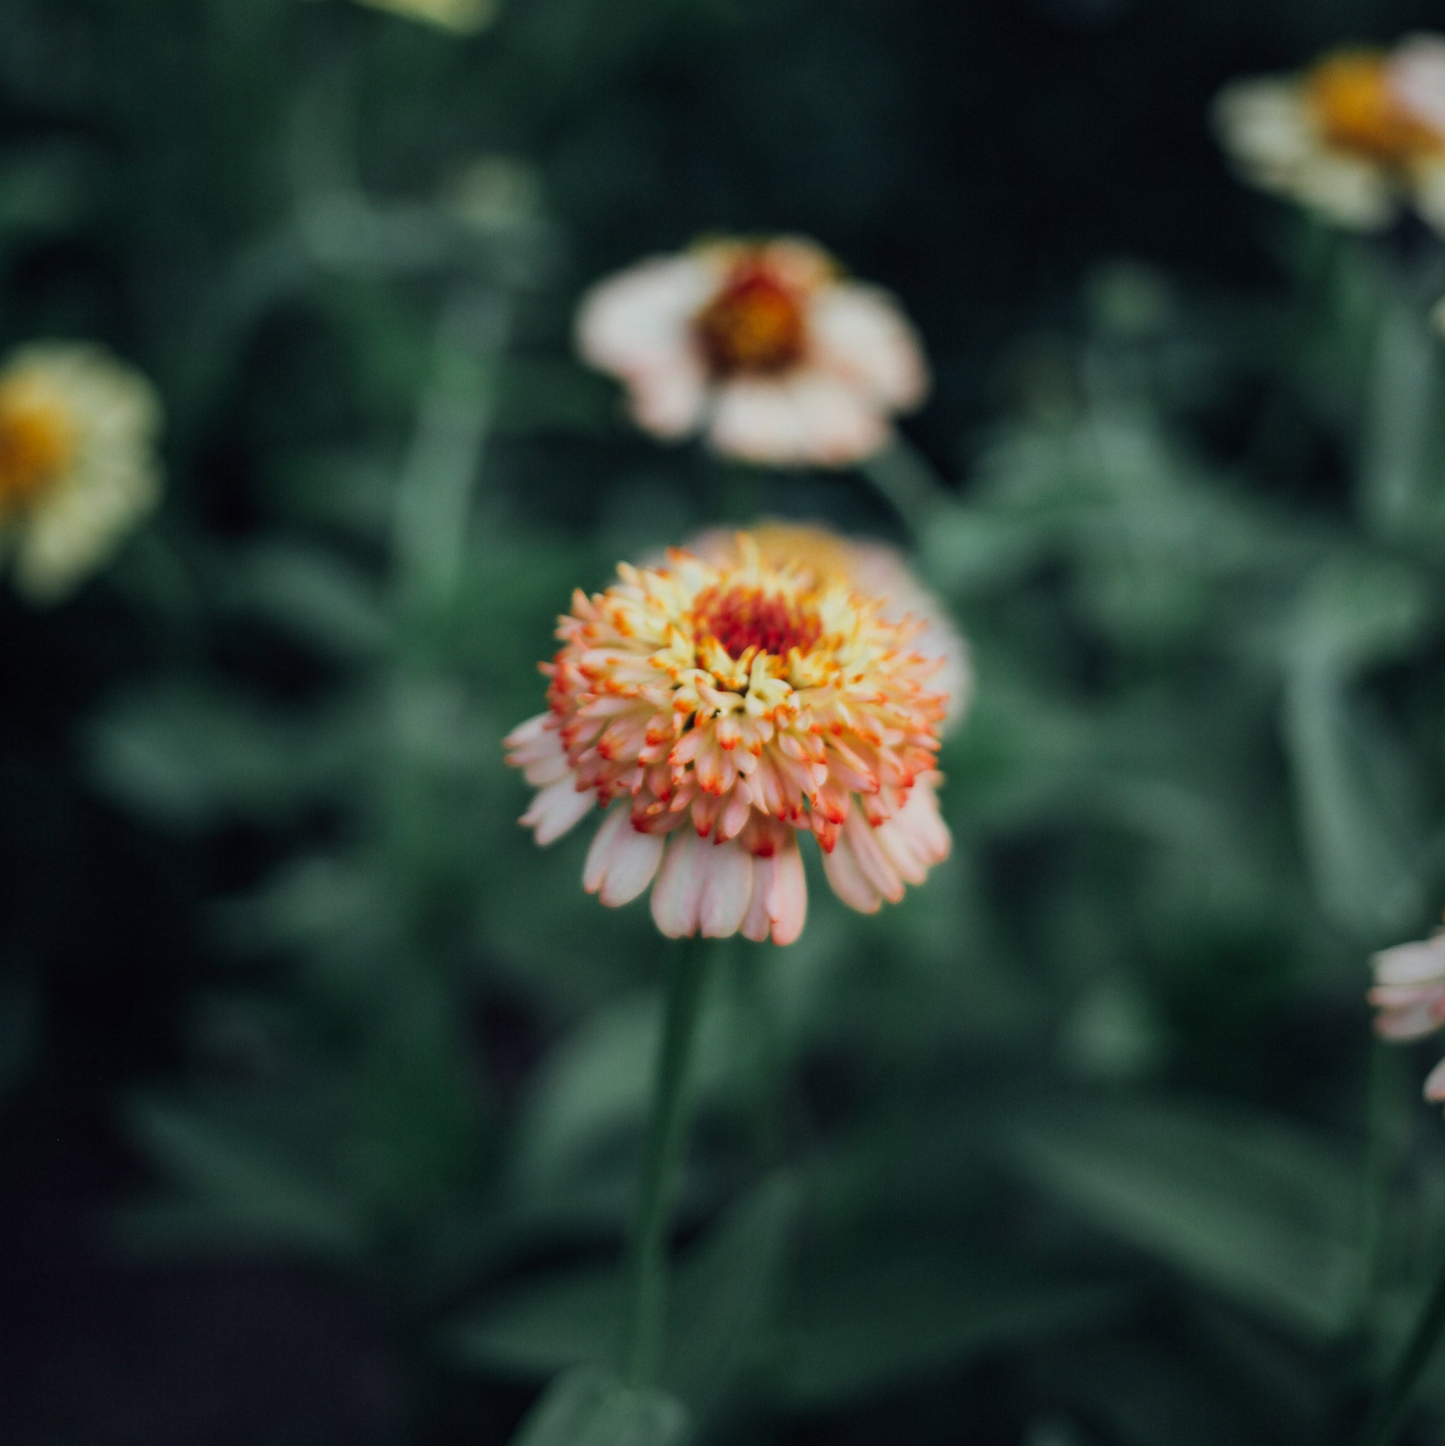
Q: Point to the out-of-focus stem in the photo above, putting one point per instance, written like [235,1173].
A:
[433,497]
[905,480]
[1394,1399]
[1403,387]
[642,1329]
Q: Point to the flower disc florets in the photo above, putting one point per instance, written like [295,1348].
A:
[736,705]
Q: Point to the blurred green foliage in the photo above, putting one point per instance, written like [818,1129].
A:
[1080,1144]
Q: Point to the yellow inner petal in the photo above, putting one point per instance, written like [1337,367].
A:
[1350,97]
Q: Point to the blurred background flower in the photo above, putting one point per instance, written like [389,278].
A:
[78,464]
[762,346]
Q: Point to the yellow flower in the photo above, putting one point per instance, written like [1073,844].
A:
[719,710]
[78,465]
[1357,136]
[463,16]
[762,346]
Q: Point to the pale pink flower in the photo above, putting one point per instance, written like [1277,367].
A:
[762,346]
[1409,993]
[1357,136]
[718,711]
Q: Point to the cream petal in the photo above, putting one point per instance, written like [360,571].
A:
[1406,1023]
[859,833]
[1435,1083]
[1416,76]
[668,400]
[727,889]
[787,893]
[557,809]
[621,867]
[533,731]
[677,895]
[848,880]
[1265,125]
[860,333]
[1421,962]
[923,825]
[639,320]
[806,418]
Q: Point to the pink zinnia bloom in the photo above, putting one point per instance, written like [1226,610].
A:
[718,711]
[760,345]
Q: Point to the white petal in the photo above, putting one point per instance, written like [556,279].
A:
[727,889]
[1417,78]
[920,820]
[621,862]
[533,731]
[558,808]
[1435,1083]
[779,904]
[668,399]
[871,858]
[1406,1023]
[599,855]
[640,320]
[677,897]
[860,333]
[848,880]
[805,418]
[1422,962]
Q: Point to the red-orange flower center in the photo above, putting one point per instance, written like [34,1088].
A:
[755,324]
[749,617]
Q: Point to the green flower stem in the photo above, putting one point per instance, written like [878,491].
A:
[1386,1135]
[1394,1399]
[642,1330]
[905,480]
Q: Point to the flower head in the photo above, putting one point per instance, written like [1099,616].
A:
[77,461]
[717,710]
[1357,136]
[1409,993]
[762,345]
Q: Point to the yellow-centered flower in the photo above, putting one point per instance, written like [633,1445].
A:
[78,465]
[1357,136]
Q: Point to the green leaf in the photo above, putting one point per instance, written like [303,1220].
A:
[247,1186]
[591,1407]
[1254,1208]
[315,596]
[885,1313]
[191,755]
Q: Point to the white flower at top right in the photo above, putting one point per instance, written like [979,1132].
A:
[1358,136]
[764,347]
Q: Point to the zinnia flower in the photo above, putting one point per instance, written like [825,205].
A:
[462,16]
[873,568]
[77,461]
[1357,136]
[762,345]
[719,710]
[1409,992]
